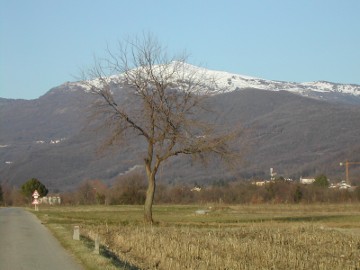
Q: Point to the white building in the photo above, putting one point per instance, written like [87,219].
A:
[341,185]
[52,200]
[307,181]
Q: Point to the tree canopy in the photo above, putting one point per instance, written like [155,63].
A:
[31,185]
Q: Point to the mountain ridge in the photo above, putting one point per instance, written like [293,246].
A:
[49,138]
[228,82]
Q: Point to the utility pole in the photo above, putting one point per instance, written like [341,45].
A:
[347,163]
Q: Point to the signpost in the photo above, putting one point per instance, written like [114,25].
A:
[35,202]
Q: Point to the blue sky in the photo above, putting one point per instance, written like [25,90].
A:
[44,43]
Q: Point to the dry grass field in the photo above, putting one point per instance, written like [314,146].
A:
[325,236]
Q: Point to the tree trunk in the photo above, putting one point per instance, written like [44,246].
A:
[149,199]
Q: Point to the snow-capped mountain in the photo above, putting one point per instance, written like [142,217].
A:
[50,138]
[228,82]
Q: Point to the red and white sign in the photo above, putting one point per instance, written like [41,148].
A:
[36,194]
[35,201]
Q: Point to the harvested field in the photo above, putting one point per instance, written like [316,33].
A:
[226,237]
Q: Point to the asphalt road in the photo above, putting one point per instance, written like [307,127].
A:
[27,244]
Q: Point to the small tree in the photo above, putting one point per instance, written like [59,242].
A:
[321,181]
[161,100]
[298,194]
[28,188]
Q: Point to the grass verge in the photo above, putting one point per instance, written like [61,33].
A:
[83,250]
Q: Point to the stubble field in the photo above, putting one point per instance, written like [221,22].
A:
[322,236]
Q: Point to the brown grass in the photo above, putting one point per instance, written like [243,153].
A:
[253,246]
[229,237]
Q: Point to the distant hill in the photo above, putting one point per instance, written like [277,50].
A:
[298,133]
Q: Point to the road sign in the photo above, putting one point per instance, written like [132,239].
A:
[35,202]
[36,194]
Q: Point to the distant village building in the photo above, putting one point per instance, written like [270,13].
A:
[272,174]
[51,200]
[307,181]
[262,183]
[343,185]
[197,189]
[340,185]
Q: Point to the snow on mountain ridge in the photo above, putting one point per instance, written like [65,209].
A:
[236,82]
[231,82]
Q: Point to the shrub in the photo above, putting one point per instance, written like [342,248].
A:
[321,181]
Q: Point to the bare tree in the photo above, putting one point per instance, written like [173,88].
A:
[160,100]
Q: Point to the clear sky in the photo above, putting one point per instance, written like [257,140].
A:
[44,43]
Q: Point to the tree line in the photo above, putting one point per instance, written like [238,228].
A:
[131,189]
